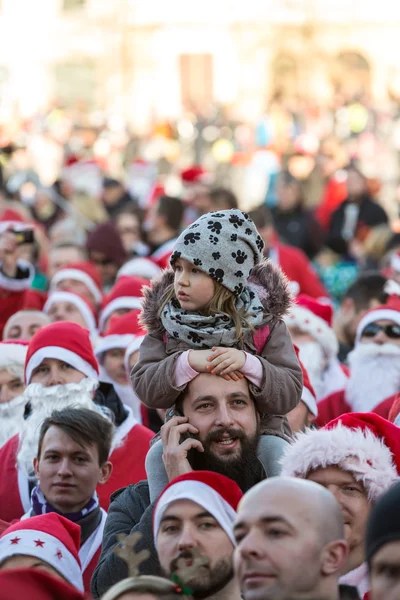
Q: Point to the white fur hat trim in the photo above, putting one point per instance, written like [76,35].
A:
[359,452]
[310,323]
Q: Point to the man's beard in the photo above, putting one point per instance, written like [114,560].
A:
[374,375]
[245,469]
[11,418]
[42,402]
[208,580]
[313,358]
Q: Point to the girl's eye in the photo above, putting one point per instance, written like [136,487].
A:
[195,271]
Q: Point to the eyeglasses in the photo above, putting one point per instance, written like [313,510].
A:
[391,331]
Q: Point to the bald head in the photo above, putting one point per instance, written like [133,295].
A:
[23,324]
[291,532]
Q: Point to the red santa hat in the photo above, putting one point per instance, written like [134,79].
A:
[315,318]
[83,271]
[364,444]
[51,538]
[35,584]
[64,341]
[216,493]
[126,293]
[195,175]
[389,311]
[140,267]
[84,307]
[122,331]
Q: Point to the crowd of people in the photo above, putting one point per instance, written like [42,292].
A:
[198,401]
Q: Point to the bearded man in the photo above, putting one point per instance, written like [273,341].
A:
[61,371]
[374,366]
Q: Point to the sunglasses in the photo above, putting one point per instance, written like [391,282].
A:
[391,331]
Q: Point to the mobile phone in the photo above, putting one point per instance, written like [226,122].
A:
[24,236]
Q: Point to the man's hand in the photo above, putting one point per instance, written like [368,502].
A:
[225,361]
[9,253]
[199,361]
[175,453]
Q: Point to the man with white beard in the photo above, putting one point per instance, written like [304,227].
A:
[12,402]
[63,372]
[374,365]
[310,325]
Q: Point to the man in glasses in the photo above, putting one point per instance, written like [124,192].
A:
[374,366]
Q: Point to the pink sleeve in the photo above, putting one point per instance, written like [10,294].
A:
[253,369]
[183,371]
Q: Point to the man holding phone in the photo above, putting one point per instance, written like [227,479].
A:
[218,431]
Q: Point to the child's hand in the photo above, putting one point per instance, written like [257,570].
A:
[198,360]
[224,361]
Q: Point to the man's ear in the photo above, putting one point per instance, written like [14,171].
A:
[105,473]
[333,557]
[36,466]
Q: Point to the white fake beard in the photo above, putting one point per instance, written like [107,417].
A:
[11,418]
[374,375]
[43,401]
[313,358]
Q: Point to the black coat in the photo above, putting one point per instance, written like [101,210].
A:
[300,229]
[370,215]
[130,510]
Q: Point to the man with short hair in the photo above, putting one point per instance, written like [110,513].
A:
[71,461]
[12,386]
[374,379]
[195,515]
[163,226]
[213,411]
[365,293]
[290,541]
[23,324]
[383,546]
[357,458]
[61,255]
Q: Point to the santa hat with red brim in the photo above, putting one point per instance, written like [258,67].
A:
[364,444]
[81,304]
[83,271]
[122,331]
[51,538]
[127,293]
[217,494]
[64,341]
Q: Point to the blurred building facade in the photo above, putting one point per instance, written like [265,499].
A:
[150,60]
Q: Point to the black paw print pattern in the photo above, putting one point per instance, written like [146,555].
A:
[175,255]
[259,243]
[238,289]
[248,231]
[217,274]
[191,238]
[194,226]
[239,274]
[194,337]
[214,226]
[236,221]
[216,255]
[218,215]
[234,237]
[197,262]
[252,295]
[239,256]
[175,334]
[213,240]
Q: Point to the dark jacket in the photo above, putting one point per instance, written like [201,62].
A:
[280,392]
[130,510]
[370,215]
[300,229]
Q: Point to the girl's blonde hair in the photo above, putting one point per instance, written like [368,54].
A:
[223,303]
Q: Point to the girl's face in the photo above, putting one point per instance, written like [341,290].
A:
[193,288]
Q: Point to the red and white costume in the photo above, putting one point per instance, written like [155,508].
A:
[126,294]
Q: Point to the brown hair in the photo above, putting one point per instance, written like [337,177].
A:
[82,425]
[223,302]
[145,584]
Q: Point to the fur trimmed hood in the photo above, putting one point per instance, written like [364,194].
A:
[268,281]
[367,456]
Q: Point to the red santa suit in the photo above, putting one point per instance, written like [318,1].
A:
[71,343]
[298,269]
[13,291]
[162,255]
[341,402]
